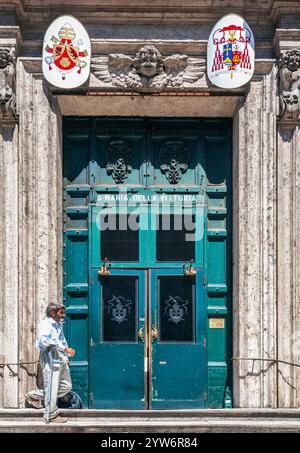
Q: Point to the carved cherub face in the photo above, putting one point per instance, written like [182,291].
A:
[290,60]
[148,61]
[293,62]
[4,57]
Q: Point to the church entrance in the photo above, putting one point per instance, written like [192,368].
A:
[147,261]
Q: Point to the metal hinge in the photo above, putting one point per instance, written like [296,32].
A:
[204,280]
[91,280]
[204,342]
[91,396]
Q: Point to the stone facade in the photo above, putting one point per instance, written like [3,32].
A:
[266,175]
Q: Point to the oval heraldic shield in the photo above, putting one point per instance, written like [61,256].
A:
[230,52]
[66,53]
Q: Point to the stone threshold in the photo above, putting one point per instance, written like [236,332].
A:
[167,421]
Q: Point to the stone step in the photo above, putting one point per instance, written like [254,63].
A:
[166,421]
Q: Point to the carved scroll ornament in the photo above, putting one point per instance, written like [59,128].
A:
[289,73]
[7,84]
[174,158]
[119,161]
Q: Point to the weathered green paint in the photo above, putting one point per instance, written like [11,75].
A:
[86,176]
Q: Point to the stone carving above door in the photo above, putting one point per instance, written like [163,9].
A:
[119,160]
[148,71]
[174,158]
[7,84]
[289,73]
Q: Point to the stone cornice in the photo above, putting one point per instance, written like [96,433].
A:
[286,8]
[10,35]
[106,46]
[285,39]
[142,11]
[137,11]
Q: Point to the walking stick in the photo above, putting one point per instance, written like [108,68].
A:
[49,390]
[53,382]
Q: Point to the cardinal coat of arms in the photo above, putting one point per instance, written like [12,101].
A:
[230,54]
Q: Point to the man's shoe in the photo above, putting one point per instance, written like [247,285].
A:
[32,402]
[58,419]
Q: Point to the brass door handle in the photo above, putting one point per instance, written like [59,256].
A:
[189,271]
[154,333]
[104,269]
[141,334]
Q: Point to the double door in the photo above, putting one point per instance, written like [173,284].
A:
[147,327]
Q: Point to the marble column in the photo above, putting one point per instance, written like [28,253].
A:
[9,244]
[288,219]
[40,213]
[288,264]
[254,245]
[9,238]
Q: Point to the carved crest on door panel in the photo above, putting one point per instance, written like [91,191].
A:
[148,70]
[119,160]
[176,308]
[119,309]
[174,158]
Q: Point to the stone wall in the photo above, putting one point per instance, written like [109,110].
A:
[266,179]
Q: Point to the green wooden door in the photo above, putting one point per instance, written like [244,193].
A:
[148,311]
[178,355]
[148,335]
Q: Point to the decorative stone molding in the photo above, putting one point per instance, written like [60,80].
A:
[289,74]
[174,159]
[7,84]
[119,161]
[148,71]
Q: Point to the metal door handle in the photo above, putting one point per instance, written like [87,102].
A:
[141,334]
[154,333]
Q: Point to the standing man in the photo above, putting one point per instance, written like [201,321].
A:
[50,338]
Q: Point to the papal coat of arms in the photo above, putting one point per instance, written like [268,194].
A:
[66,53]
[230,59]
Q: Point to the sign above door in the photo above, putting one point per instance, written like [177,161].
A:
[66,53]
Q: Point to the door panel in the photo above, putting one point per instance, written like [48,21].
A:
[119,158]
[118,233]
[175,150]
[178,354]
[117,353]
